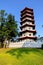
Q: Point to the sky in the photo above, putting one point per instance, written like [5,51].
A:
[15,6]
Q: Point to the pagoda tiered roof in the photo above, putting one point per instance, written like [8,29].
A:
[28,37]
[29,9]
[26,20]
[26,15]
[32,31]
[29,25]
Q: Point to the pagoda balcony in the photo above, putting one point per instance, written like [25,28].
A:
[27,21]
[29,25]
[27,37]
[24,31]
[29,30]
[27,9]
[27,18]
[27,15]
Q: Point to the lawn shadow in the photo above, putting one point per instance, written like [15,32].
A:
[18,52]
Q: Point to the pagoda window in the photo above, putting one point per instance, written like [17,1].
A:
[29,34]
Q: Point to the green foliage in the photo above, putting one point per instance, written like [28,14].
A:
[21,56]
[8,26]
[42,46]
[12,26]
[2,25]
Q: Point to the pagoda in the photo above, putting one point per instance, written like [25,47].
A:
[27,27]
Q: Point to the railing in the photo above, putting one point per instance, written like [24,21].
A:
[28,19]
[28,29]
[29,23]
[27,14]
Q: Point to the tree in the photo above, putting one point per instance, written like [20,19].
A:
[12,27]
[2,21]
[8,27]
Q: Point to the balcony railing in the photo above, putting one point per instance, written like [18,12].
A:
[27,37]
[26,14]
[27,23]
[27,18]
[28,30]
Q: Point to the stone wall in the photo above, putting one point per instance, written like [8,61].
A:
[25,44]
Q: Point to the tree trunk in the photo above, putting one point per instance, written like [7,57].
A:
[8,42]
[1,43]
[5,43]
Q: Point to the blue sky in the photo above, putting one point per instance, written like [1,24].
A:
[15,6]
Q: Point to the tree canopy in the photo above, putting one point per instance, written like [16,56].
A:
[8,26]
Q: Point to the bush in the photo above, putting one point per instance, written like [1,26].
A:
[0,44]
[42,46]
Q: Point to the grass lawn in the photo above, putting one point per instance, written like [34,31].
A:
[21,56]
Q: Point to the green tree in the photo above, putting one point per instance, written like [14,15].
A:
[8,27]
[2,21]
[12,27]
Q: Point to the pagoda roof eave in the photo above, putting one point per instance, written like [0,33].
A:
[26,9]
[26,20]
[28,37]
[30,25]
[34,31]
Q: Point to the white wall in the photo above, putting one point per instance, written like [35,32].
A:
[27,34]
[32,44]
[27,28]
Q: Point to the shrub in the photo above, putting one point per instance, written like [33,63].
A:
[42,46]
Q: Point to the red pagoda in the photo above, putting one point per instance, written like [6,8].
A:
[27,25]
